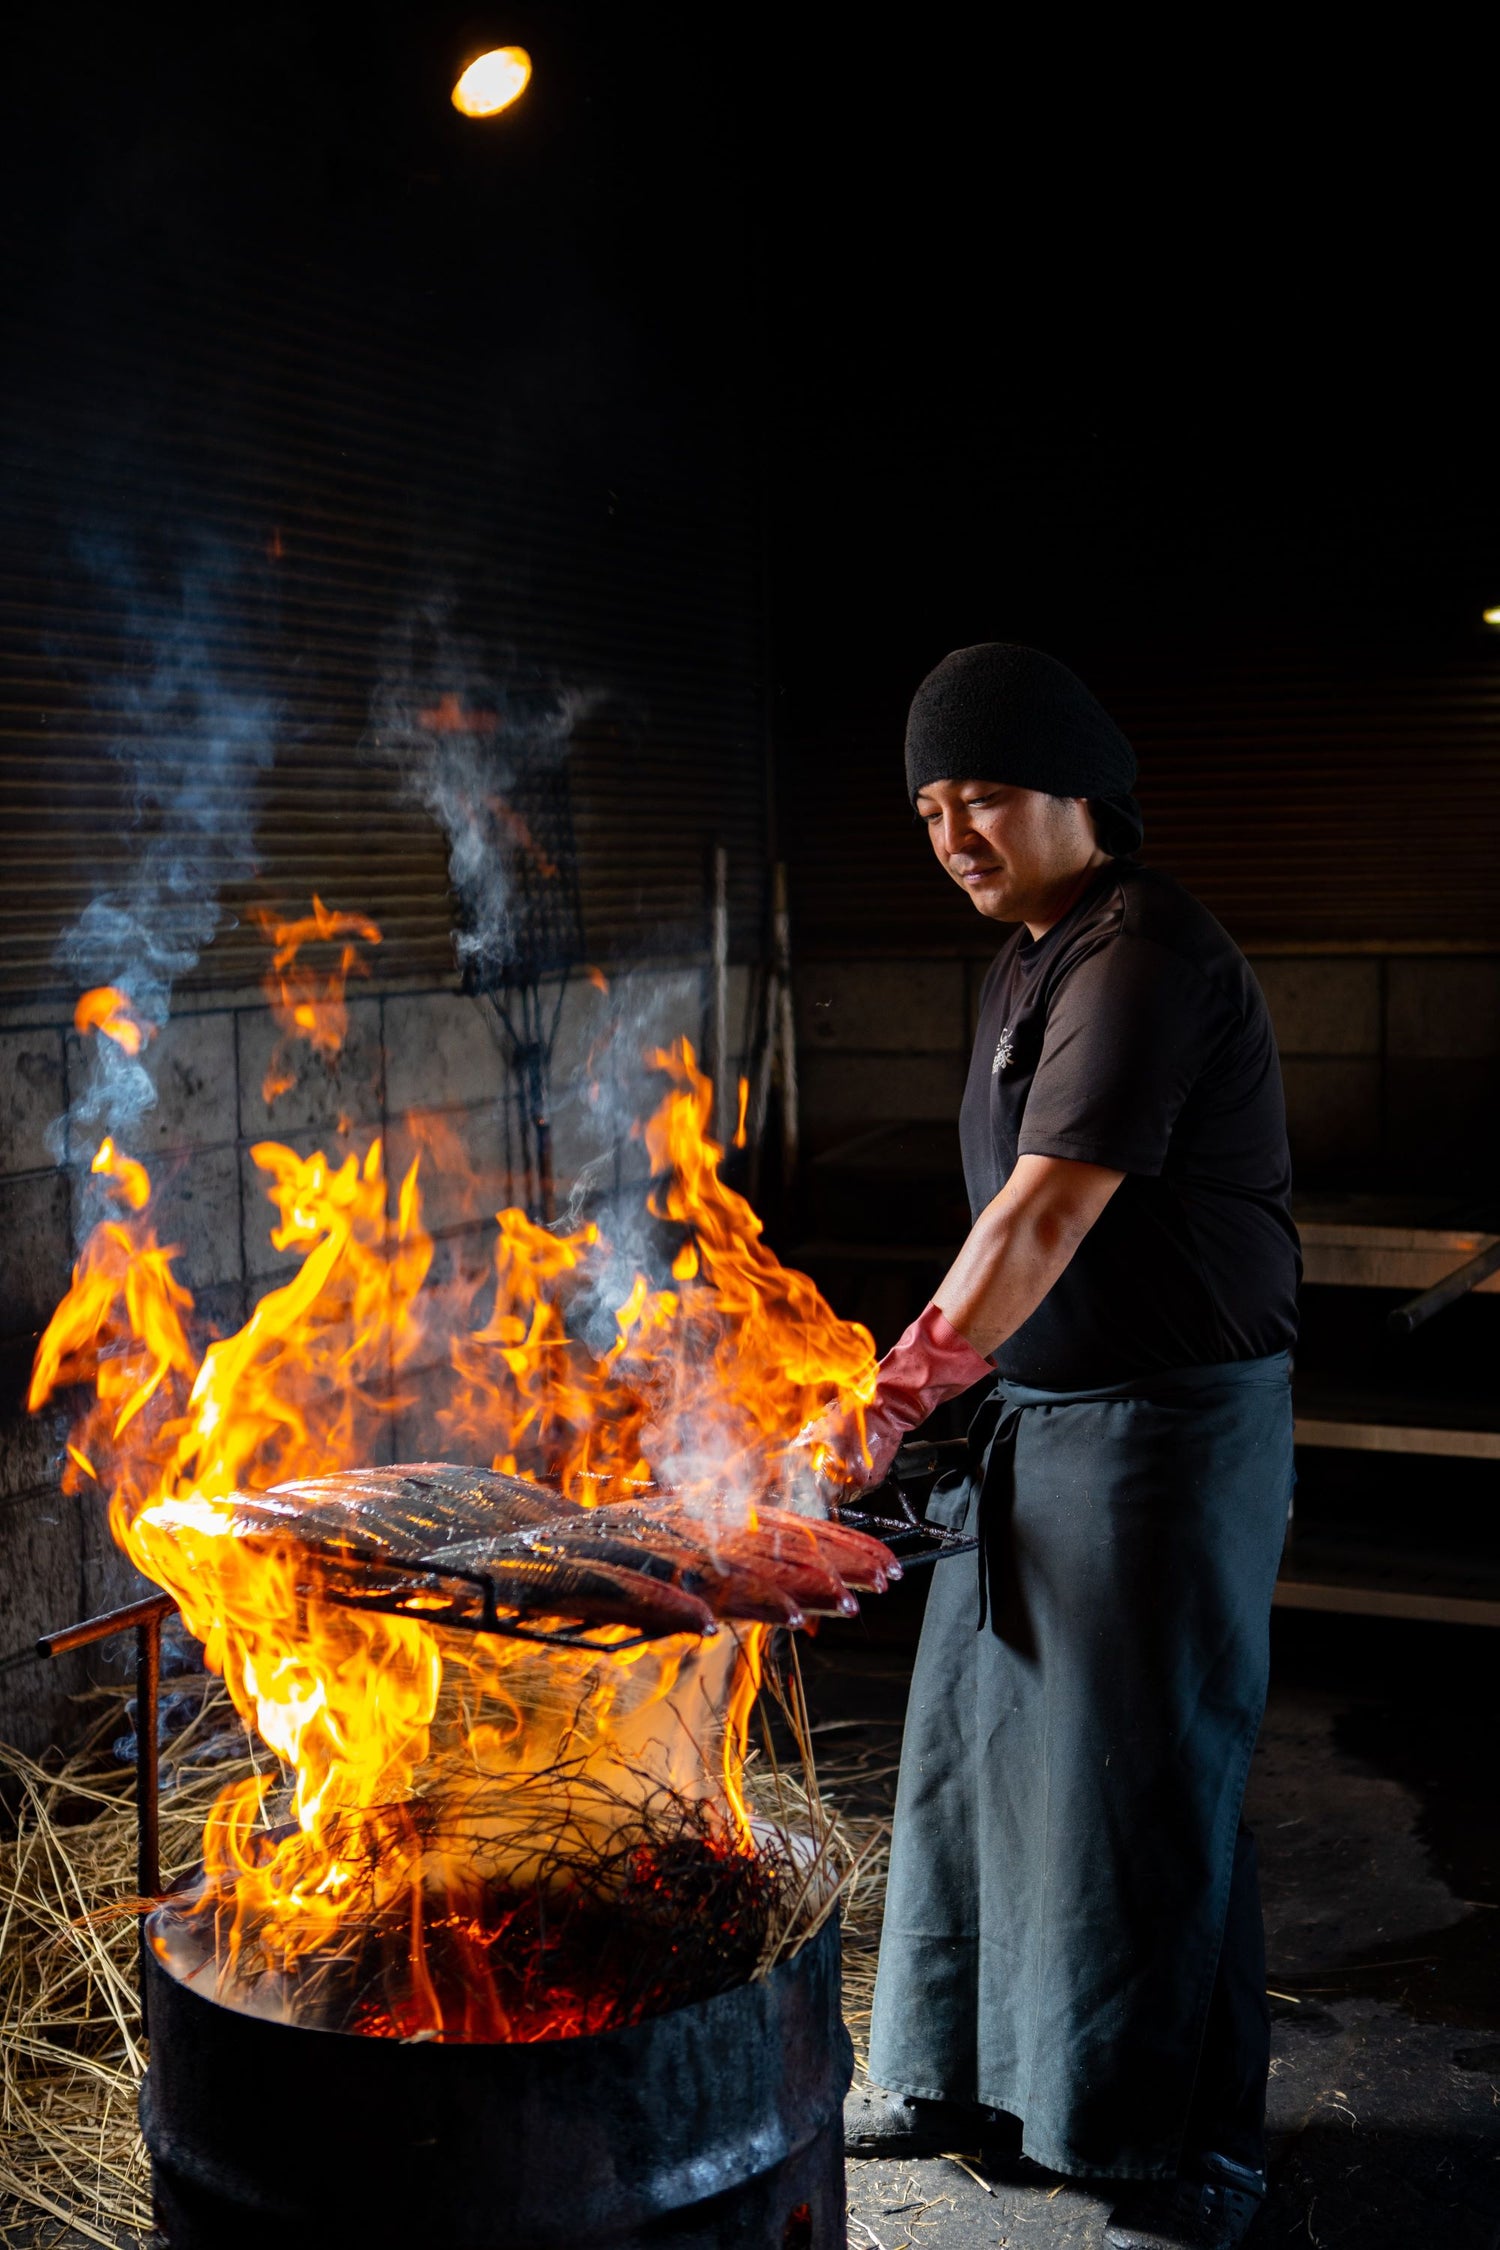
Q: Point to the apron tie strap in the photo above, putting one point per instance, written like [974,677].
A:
[999,1463]
[992,1445]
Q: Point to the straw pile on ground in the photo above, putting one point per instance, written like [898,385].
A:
[72,2166]
[71,2054]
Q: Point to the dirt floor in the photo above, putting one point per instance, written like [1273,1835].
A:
[1374,1801]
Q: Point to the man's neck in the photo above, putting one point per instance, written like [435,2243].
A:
[1065,896]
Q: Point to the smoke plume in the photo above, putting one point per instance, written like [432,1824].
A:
[190,745]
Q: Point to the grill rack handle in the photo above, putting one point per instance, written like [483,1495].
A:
[887,1514]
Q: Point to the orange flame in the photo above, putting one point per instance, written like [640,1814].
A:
[108,1010]
[308,1007]
[704,1383]
[132,1180]
[120,1326]
[699,1385]
[512,824]
[451,715]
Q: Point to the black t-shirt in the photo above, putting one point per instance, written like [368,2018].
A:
[1133,1035]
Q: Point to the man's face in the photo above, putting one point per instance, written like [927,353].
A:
[1012,850]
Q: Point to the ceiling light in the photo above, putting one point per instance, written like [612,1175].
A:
[1492,617]
[492,81]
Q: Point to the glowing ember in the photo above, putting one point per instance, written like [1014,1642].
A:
[436,1782]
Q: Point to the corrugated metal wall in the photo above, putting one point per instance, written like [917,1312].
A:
[223,509]
[1317,799]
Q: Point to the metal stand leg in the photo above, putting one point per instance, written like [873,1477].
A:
[145,1619]
[147,1755]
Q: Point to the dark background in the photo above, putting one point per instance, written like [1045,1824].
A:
[1174,360]
[1168,354]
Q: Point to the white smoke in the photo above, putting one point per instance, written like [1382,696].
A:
[467,739]
[191,747]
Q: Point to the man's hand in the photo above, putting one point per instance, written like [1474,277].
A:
[1015,1251]
[846,1449]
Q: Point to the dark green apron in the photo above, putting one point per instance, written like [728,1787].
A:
[1082,1716]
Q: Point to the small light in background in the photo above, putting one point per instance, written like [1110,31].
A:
[1492,616]
[492,82]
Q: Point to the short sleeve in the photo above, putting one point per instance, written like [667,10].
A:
[1129,1030]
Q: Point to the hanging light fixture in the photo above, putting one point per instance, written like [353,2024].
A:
[1492,616]
[492,81]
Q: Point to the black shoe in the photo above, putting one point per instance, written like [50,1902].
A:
[881,2124]
[1182,2215]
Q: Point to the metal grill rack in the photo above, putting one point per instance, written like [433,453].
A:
[887,1513]
[462,1601]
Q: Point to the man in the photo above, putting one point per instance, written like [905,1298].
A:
[1072,1933]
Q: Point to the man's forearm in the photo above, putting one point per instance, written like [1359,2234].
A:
[1015,1251]
[1020,1244]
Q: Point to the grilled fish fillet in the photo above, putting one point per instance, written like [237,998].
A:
[659,1568]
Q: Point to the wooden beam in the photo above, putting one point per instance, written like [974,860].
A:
[1396,1437]
[1385,1601]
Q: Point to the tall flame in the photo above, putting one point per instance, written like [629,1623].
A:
[705,1376]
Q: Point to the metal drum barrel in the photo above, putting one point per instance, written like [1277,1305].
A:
[717,2125]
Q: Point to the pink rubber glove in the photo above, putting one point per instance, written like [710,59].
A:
[930,1363]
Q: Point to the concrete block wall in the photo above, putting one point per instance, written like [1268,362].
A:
[882,1040]
[1392,1066]
[1391,1062]
[421,1067]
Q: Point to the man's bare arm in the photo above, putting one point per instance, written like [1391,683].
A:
[1016,1249]
[1020,1244]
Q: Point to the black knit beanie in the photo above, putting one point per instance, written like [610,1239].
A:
[999,712]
